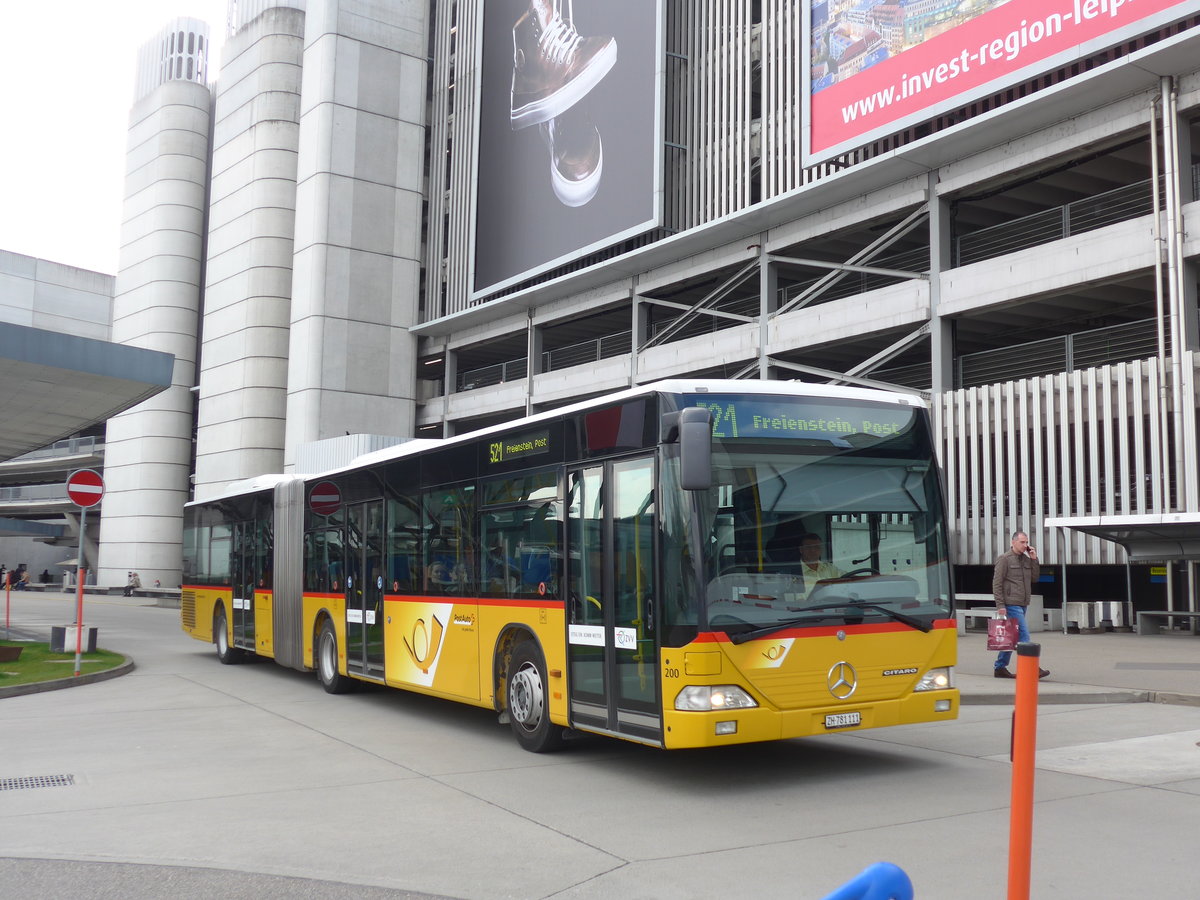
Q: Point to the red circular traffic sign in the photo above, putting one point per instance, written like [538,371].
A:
[325,498]
[85,487]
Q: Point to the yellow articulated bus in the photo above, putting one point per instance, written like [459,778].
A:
[684,564]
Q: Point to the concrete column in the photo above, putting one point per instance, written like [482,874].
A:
[533,360]
[357,257]
[768,302]
[941,335]
[148,449]
[247,304]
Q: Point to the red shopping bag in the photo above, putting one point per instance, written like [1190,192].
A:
[1002,633]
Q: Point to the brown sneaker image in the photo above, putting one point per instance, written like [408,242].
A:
[553,66]
[576,156]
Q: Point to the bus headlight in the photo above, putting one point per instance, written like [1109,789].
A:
[936,679]
[706,698]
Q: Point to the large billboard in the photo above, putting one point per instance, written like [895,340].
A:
[570,132]
[874,67]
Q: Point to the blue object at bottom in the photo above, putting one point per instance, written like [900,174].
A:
[881,881]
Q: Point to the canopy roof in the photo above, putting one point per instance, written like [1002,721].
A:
[57,384]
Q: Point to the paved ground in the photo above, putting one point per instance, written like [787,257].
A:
[185,778]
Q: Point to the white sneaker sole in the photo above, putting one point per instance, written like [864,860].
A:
[577,193]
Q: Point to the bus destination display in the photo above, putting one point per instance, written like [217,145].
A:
[774,417]
[518,447]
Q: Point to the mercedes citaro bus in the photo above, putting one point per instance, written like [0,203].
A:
[683,564]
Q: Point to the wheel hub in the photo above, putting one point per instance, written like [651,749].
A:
[328,666]
[525,700]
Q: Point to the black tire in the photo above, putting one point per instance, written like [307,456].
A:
[227,654]
[528,713]
[326,659]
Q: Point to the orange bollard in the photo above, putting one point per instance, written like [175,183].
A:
[1024,746]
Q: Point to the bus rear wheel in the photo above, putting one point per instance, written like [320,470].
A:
[528,713]
[226,653]
[327,662]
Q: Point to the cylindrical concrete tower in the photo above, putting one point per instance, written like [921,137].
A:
[148,448]
[247,305]
[358,212]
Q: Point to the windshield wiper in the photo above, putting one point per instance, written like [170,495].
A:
[911,621]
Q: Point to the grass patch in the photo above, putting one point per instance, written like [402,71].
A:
[37,664]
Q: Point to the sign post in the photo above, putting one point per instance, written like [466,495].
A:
[85,487]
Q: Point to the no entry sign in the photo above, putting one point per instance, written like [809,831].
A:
[85,487]
[325,498]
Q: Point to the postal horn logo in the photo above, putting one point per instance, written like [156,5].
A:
[427,641]
[842,680]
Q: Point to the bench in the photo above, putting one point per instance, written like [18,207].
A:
[1149,621]
[1037,617]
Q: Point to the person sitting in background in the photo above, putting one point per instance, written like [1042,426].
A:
[129,584]
[45,576]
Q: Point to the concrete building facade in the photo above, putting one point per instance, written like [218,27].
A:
[63,378]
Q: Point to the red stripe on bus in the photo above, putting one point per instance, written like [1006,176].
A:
[827,631]
[546,603]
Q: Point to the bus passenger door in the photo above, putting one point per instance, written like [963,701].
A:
[611,640]
[242,576]
[364,588]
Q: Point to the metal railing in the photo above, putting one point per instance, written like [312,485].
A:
[70,447]
[593,350]
[34,493]
[497,373]
[1118,205]
[1084,349]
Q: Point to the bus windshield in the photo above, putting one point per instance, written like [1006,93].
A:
[823,512]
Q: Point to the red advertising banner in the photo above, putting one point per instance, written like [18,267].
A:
[875,68]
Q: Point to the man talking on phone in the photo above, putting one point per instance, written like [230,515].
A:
[1012,582]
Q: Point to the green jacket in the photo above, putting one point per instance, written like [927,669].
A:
[1013,578]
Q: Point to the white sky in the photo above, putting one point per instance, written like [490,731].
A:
[66,85]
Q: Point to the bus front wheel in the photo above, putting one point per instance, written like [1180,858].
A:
[226,654]
[327,662]
[528,712]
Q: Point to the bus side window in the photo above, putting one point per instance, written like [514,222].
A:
[404,546]
[451,560]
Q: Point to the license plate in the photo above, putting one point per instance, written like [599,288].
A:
[843,720]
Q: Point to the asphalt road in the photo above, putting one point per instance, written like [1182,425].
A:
[186,778]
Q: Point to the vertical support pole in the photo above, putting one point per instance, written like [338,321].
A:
[79,591]
[1024,746]
[768,302]
[1066,546]
[637,332]
[533,360]
[1191,606]
[449,386]
[1183,479]
[1127,606]
[941,344]
[1161,317]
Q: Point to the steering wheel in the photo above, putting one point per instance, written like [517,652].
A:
[866,570]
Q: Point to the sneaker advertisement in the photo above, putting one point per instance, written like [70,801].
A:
[569,132]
